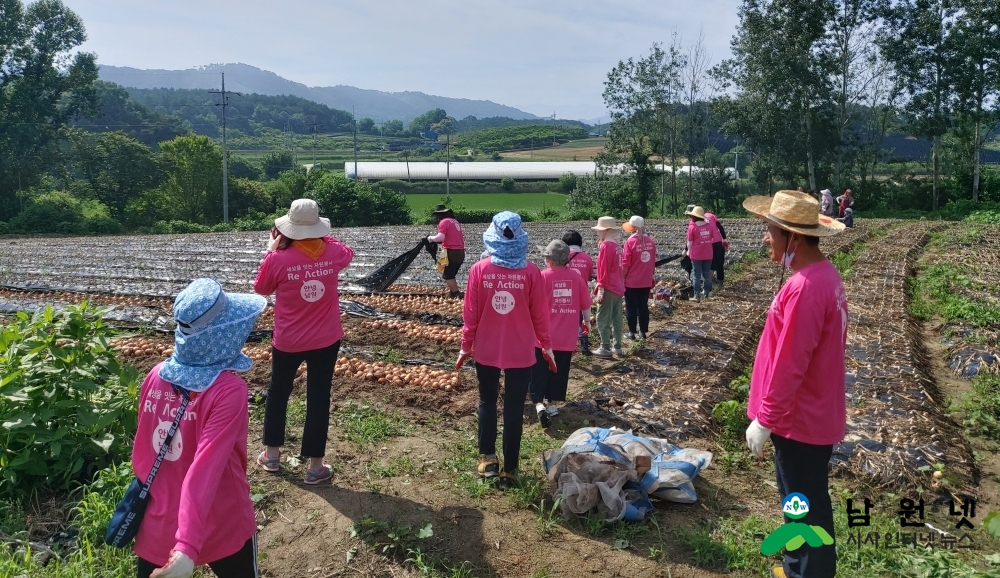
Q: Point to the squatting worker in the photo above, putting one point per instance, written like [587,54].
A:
[581,262]
[199,510]
[566,296]
[453,242]
[610,289]
[720,244]
[638,267]
[504,308]
[301,267]
[797,390]
[699,248]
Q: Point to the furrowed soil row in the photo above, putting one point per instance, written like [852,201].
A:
[897,426]
[685,370]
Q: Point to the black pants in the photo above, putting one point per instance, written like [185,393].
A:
[455,259]
[548,385]
[804,468]
[637,308]
[515,388]
[319,381]
[719,261]
[242,564]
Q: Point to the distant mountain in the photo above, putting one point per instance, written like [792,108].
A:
[404,106]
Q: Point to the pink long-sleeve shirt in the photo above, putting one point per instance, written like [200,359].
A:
[699,240]
[714,222]
[797,387]
[307,300]
[200,500]
[581,262]
[639,261]
[503,309]
[609,268]
[567,294]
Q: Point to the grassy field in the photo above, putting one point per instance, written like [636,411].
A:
[576,150]
[489,201]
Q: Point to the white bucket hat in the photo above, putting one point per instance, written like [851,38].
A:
[303,221]
[605,223]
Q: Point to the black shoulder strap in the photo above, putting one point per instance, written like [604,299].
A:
[166,445]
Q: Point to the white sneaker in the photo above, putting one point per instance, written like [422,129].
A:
[603,353]
[630,336]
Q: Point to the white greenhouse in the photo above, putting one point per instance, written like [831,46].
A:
[466,171]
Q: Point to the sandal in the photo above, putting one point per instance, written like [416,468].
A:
[489,467]
[269,464]
[506,481]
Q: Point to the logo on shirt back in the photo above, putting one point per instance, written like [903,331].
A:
[176,445]
[644,257]
[503,302]
[312,291]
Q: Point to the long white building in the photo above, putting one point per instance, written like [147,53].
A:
[467,171]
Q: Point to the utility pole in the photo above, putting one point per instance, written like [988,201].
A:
[225,156]
[447,175]
[314,127]
[354,129]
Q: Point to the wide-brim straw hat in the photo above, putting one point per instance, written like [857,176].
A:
[696,212]
[605,224]
[303,221]
[634,223]
[441,210]
[793,211]
[212,327]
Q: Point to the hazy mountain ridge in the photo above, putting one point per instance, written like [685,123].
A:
[371,103]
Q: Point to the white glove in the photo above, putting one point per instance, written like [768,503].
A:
[600,296]
[756,436]
[179,566]
[430,239]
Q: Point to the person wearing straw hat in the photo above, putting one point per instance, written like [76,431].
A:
[301,268]
[638,267]
[610,289]
[567,296]
[700,236]
[797,387]
[199,511]
[453,242]
[504,308]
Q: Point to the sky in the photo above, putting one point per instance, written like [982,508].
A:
[542,56]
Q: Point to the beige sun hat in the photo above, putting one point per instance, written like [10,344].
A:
[634,223]
[793,211]
[303,221]
[696,212]
[606,223]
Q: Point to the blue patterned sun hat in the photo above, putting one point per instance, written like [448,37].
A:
[509,253]
[212,327]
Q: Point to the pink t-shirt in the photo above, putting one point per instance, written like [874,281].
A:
[503,309]
[453,237]
[639,261]
[714,222]
[797,387]
[609,268]
[567,294]
[699,240]
[200,500]
[582,263]
[306,301]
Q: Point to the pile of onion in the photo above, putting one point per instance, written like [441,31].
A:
[413,329]
[396,374]
[143,347]
[413,304]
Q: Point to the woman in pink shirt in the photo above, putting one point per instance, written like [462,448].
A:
[638,265]
[700,236]
[797,387]
[199,509]
[505,307]
[610,289]
[453,242]
[567,296]
[581,262]
[302,267]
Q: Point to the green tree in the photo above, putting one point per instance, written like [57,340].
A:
[43,85]
[977,72]
[241,168]
[194,178]
[246,195]
[423,122]
[276,162]
[633,92]
[920,46]
[365,125]
[392,127]
[119,168]
[381,206]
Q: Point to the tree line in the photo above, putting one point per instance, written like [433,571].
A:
[811,91]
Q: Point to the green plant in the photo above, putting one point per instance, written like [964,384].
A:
[507,183]
[732,418]
[548,519]
[366,425]
[66,404]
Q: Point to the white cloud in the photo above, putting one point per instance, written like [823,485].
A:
[516,51]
